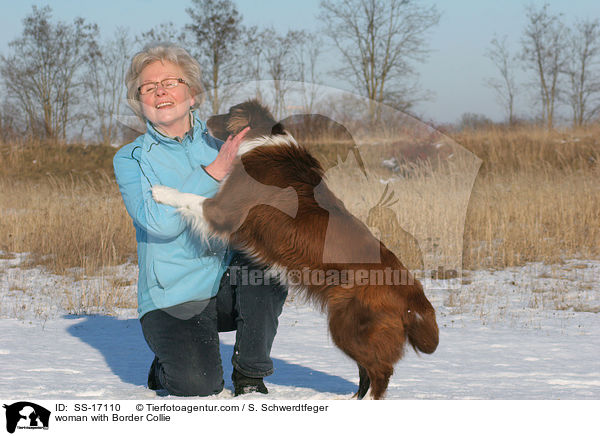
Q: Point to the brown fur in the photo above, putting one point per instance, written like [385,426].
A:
[369,323]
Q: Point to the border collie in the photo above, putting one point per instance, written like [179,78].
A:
[275,206]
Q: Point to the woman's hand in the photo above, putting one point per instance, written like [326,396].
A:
[222,164]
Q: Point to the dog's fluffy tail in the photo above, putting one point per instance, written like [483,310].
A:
[421,328]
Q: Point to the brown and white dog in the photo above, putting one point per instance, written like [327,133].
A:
[275,206]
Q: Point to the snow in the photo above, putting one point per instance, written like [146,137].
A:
[531,332]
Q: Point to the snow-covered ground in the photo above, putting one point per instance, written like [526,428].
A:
[524,333]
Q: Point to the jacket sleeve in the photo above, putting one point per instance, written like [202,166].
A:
[158,220]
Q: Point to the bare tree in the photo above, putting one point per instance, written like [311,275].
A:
[216,27]
[379,42]
[544,53]
[307,55]
[281,64]
[42,74]
[104,83]
[505,87]
[11,122]
[582,71]
[254,49]
[163,33]
[282,59]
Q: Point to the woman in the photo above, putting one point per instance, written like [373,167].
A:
[187,291]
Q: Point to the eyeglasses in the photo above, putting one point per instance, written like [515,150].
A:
[150,87]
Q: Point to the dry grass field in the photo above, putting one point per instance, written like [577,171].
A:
[536,197]
[62,205]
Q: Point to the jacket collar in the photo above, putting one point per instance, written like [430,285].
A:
[154,137]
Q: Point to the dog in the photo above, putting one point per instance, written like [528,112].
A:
[275,206]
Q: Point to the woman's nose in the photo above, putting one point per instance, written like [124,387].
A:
[160,90]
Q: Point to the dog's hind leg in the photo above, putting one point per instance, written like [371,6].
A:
[363,383]
[379,380]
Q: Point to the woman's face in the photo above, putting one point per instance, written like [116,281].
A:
[167,109]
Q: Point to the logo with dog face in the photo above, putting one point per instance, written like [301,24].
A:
[407,182]
[26,415]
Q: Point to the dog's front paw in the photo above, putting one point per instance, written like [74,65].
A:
[164,194]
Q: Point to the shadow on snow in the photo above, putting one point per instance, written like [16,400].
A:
[122,344]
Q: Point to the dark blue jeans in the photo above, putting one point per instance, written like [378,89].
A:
[185,338]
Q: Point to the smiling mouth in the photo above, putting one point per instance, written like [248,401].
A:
[164,104]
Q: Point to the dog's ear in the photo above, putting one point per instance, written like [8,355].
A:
[239,118]
[278,129]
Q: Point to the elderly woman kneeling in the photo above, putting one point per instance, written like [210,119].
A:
[188,291]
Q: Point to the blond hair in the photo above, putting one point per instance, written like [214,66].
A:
[192,72]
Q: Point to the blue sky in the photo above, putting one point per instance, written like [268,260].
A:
[455,71]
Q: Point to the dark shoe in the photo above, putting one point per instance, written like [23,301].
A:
[153,382]
[247,385]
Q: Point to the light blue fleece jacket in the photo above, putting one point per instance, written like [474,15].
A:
[174,267]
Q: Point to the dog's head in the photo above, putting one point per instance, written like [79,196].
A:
[250,113]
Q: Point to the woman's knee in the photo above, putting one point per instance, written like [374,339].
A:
[193,383]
